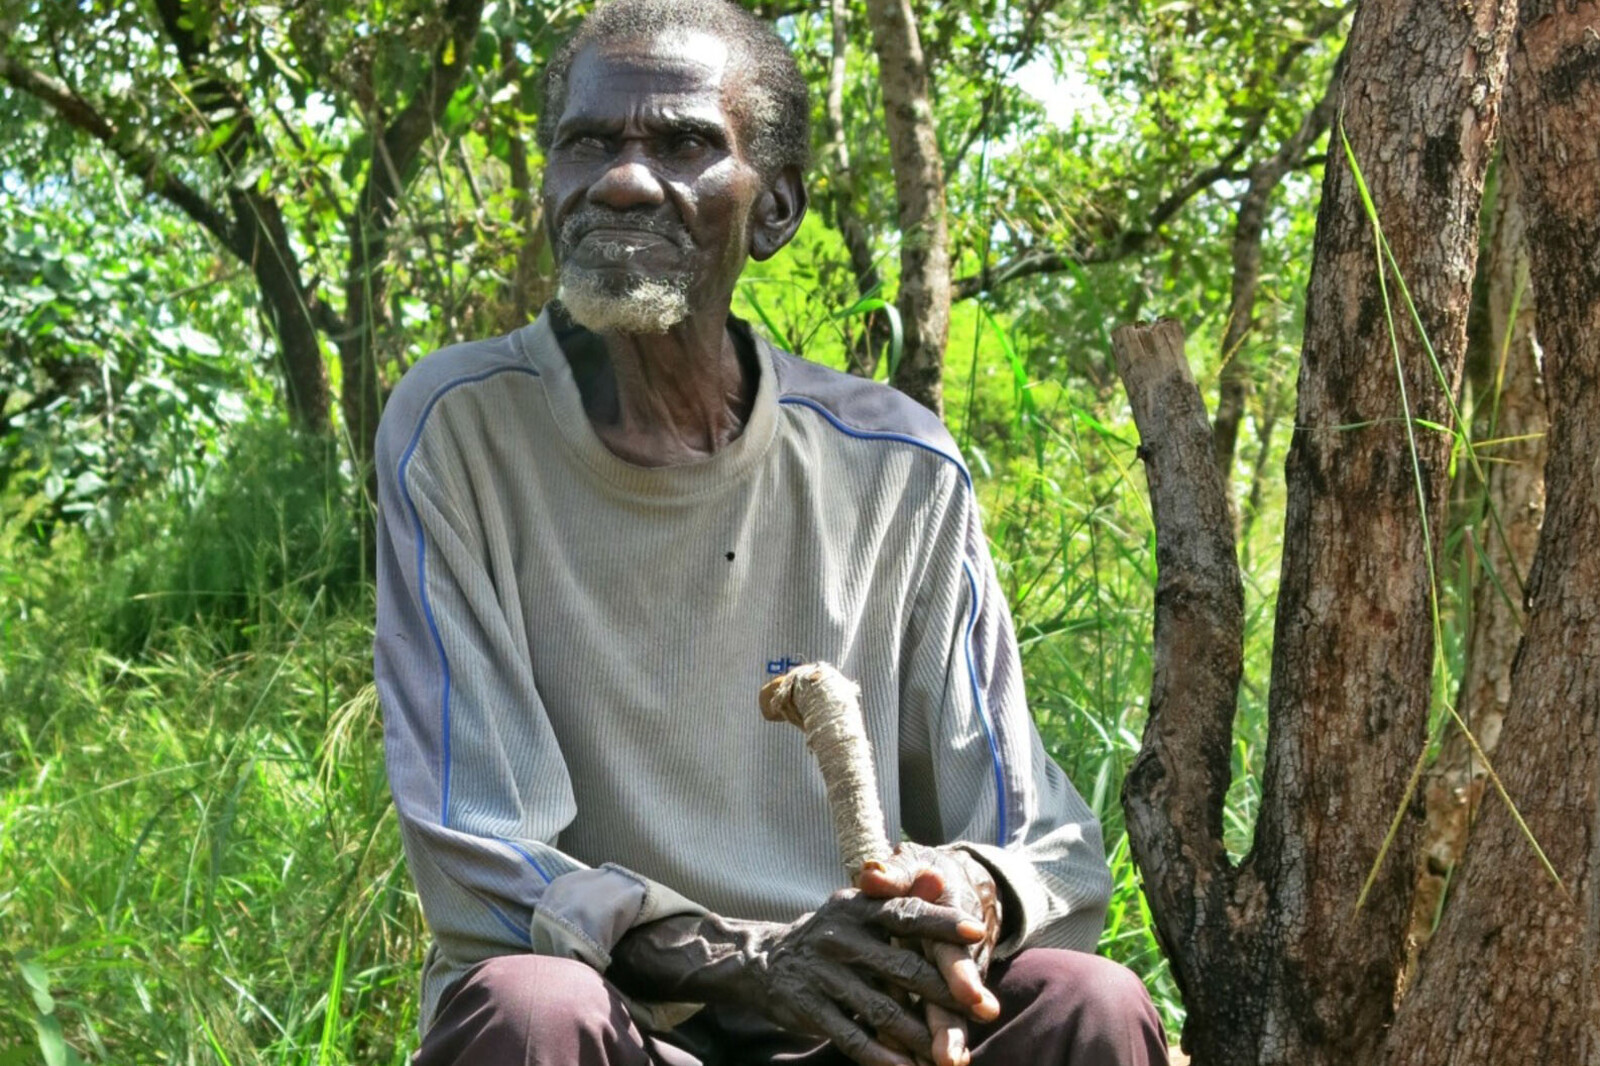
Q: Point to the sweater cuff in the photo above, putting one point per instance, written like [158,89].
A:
[581,915]
[1019,881]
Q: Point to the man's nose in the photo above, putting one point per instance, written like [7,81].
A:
[627,182]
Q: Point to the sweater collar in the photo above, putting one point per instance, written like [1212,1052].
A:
[540,347]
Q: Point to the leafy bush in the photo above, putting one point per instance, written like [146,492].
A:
[277,511]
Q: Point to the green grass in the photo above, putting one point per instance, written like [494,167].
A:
[196,847]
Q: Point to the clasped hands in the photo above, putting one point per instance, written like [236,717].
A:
[925,922]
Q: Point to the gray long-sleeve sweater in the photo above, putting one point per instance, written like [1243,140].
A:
[569,649]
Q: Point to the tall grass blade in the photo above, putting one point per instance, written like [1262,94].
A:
[1385,257]
[331,1020]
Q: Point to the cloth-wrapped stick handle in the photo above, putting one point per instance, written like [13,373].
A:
[826,705]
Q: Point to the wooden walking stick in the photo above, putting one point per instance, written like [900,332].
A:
[826,705]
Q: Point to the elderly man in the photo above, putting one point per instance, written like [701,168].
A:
[600,535]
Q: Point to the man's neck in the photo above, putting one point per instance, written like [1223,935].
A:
[664,399]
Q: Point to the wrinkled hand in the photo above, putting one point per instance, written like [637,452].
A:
[830,974]
[948,877]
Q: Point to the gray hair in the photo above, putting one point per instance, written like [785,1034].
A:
[776,105]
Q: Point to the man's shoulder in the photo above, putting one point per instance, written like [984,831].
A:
[434,377]
[858,408]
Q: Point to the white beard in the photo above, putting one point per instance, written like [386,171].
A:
[641,305]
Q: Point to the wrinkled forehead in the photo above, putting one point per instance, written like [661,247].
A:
[670,71]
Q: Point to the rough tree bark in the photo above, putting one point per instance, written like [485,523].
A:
[1275,962]
[1511,975]
[924,299]
[1503,541]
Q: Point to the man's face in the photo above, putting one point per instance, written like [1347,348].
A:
[649,194]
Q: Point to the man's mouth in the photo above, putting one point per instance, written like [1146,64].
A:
[618,245]
[618,238]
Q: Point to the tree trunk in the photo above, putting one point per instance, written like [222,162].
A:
[1502,546]
[1511,974]
[1353,652]
[868,348]
[924,300]
[396,144]
[262,241]
[1276,963]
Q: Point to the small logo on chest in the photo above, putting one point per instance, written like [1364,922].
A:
[779,667]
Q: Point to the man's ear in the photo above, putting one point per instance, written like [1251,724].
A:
[777,213]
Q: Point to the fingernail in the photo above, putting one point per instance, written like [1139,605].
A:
[874,866]
[971,928]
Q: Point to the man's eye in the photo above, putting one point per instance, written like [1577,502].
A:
[683,144]
[583,143]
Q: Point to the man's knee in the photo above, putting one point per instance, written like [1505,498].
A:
[1088,983]
[534,991]
[529,1008]
[1103,1008]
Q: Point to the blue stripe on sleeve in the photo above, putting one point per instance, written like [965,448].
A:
[516,930]
[983,707]
[527,857]
[422,576]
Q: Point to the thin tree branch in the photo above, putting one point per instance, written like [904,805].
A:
[1130,241]
[1175,790]
[1124,244]
[138,162]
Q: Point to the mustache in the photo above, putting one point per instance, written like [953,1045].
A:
[593,218]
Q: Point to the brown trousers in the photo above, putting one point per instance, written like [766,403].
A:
[1058,1008]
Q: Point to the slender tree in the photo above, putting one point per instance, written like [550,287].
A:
[844,198]
[924,299]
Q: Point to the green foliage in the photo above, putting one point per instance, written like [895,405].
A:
[115,376]
[274,510]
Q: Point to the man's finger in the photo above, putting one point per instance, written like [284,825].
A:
[961,974]
[949,1036]
[912,916]
[850,1038]
[893,964]
[887,1018]
[901,877]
